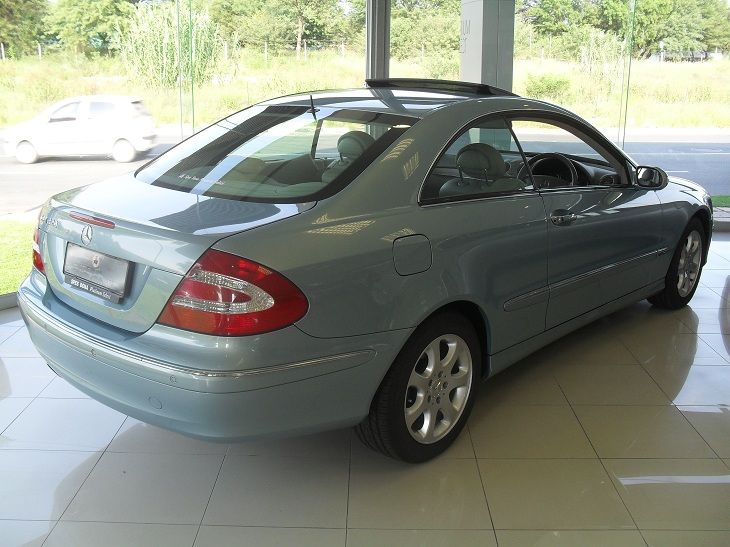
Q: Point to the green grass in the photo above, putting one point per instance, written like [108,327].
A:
[721,201]
[16,238]
[662,94]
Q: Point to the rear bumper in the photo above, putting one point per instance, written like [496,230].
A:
[301,396]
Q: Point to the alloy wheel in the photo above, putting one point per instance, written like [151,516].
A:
[690,260]
[438,389]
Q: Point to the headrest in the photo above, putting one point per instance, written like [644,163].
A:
[479,159]
[352,144]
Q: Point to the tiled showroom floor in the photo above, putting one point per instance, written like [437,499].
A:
[617,435]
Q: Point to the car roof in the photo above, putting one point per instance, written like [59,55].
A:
[105,98]
[410,97]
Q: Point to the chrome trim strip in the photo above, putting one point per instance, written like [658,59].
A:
[528,299]
[71,337]
[603,269]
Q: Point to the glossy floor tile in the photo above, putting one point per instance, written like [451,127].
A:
[706,538]
[62,424]
[421,538]
[674,494]
[641,432]
[24,533]
[713,423]
[445,493]
[94,534]
[528,431]
[616,435]
[146,488]
[237,536]
[570,538]
[38,485]
[552,494]
[280,491]
[610,385]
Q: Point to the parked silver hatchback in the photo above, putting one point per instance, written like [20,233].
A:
[359,257]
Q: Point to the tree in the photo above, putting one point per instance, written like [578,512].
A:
[89,26]
[21,25]
[716,24]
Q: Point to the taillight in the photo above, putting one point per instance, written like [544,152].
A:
[227,295]
[37,260]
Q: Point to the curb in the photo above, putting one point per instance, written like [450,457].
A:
[721,225]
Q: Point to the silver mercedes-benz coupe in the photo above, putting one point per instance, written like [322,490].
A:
[356,257]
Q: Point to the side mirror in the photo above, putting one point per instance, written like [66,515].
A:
[651,177]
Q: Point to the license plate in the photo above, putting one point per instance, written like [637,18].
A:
[96,273]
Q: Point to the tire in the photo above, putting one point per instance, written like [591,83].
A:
[123,151]
[25,152]
[413,392]
[685,268]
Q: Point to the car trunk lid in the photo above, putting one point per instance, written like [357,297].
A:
[158,231]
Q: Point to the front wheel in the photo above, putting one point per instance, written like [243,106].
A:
[684,272]
[426,397]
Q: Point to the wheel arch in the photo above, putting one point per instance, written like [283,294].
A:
[476,316]
[703,215]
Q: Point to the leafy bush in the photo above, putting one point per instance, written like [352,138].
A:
[160,50]
[547,86]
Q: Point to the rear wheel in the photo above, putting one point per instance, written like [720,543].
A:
[25,152]
[426,397]
[684,271]
[123,151]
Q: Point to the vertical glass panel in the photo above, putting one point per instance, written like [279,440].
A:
[575,53]
[88,91]
[424,39]
[244,51]
[678,105]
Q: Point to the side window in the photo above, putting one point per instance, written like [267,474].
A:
[483,161]
[559,156]
[99,109]
[66,113]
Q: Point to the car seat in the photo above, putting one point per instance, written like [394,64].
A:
[350,146]
[481,170]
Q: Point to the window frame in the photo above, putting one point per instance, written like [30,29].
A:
[480,196]
[590,136]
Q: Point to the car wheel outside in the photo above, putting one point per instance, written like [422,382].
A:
[425,398]
[25,152]
[684,271]
[123,151]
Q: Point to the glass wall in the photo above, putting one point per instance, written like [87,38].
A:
[93,80]
[86,82]
[653,76]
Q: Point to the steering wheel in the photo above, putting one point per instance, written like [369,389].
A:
[543,181]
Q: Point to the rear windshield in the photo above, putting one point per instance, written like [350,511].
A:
[277,153]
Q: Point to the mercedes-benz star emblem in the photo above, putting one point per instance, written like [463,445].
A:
[86,234]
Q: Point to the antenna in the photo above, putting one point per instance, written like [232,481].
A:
[314,111]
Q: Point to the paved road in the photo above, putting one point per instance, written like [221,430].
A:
[25,187]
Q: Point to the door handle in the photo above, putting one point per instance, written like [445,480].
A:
[562,217]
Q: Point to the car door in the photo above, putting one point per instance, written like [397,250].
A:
[604,232]
[60,135]
[493,230]
[98,122]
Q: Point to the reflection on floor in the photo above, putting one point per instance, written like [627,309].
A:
[618,434]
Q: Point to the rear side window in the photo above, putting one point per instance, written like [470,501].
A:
[278,153]
[484,160]
[101,109]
